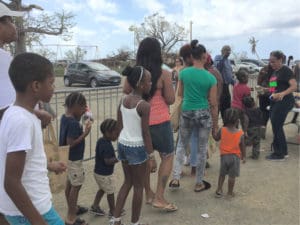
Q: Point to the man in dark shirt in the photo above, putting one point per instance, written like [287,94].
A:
[222,63]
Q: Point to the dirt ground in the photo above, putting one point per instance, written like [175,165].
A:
[267,193]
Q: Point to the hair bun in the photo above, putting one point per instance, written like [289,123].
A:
[194,43]
[127,71]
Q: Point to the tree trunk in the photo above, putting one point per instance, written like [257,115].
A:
[21,42]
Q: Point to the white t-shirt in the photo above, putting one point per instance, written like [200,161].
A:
[21,130]
[7,91]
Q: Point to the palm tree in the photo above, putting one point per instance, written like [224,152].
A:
[253,43]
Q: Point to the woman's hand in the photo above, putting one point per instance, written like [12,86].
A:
[152,163]
[277,96]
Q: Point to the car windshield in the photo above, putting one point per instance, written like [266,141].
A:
[97,66]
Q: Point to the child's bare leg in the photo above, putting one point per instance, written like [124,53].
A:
[98,198]
[123,193]
[73,198]
[67,191]
[149,193]
[231,182]
[220,184]
[111,202]
[164,172]
[138,172]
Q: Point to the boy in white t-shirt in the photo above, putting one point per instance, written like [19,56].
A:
[24,186]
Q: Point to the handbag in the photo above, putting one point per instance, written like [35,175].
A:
[175,111]
[54,152]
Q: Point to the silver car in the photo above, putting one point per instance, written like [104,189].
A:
[92,74]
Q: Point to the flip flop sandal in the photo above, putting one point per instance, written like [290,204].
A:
[78,221]
[174,184]
[81,210]
[218,194]
[149,201]
[171,207]
[205,186]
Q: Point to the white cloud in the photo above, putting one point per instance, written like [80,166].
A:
[214,19]
[151,6]
[103,6]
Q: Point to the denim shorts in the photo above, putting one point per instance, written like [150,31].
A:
[162,138]
[132,155]
[51,217]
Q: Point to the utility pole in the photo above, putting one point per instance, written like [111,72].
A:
[191,30]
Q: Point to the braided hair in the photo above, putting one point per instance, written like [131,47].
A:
[108,125]
[75,98]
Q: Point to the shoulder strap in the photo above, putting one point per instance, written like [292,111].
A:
[139,102]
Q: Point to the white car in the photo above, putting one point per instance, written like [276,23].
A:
[238,66]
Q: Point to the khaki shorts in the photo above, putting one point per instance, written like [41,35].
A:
[76,173]
[105,183]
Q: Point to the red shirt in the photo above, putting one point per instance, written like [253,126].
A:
[239,92]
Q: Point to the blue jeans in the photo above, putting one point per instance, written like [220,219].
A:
[51,217]
[200,120]
[278,114]
[194,147]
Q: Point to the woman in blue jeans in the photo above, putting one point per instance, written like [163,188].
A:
[199,111]
[282,84]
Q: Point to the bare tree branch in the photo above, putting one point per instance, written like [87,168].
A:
[31,7]
[156,26]
[43,31]
[4,3]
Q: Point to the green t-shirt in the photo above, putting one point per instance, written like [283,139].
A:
[196,85]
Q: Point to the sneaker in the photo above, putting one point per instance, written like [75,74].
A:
[254,157]
[123,213]
[174,184]
[286,156]
[81,210]
[273,157]
[97,211]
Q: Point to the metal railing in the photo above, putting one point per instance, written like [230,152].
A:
[103,103]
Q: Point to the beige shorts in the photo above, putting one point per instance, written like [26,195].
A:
[105,183]
[76,173]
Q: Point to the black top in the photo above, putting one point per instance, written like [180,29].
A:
[104,150]
[283,75]
[255,117]
[71,128]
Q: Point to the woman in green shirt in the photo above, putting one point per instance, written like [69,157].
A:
[199,111]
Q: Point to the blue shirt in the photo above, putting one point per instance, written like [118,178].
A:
[71,128]
[224,67]
[104,150]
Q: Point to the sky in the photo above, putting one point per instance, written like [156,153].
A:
[105,23]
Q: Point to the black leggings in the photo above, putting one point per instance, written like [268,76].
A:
[278,114]
[264,102]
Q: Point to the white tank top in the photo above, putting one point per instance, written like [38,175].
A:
[131,134]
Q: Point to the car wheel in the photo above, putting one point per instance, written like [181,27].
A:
[67,82]
[93,83]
